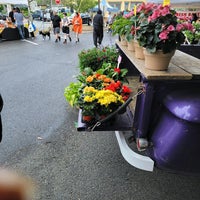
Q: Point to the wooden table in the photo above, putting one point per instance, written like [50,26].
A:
[182,66]
[169,151]
[183,72]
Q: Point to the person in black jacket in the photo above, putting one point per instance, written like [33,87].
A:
[57,25]
[98,28]
[11,15]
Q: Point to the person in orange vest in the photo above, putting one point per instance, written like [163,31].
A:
[77,25]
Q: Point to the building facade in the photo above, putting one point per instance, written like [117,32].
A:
[124,4]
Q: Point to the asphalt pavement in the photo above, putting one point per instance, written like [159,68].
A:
[40,137]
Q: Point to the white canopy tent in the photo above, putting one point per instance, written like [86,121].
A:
[14,2]
[105,6]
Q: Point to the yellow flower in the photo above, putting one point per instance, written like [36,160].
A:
[88,89]
[106,97]
[88,99]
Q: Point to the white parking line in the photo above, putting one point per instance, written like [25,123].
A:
[30,42]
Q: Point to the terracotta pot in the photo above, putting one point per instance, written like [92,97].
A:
[123,40]
[138,51]
[131,45]
[157,61]
[86,118]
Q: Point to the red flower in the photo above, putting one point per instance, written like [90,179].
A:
[125,97]
[114,86]
[126,89]
[117,70]
[118,84]
[110,87]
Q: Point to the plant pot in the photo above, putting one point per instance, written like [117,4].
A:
[138,51]
[87,119]
[123,40]
[157,61]
[131,46]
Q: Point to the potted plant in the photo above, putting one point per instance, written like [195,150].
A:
[94,58]
[100,90]
[161,34]
[193,37]
[101,96]
[72,93]
[192,41]
[131,30]
[120,27]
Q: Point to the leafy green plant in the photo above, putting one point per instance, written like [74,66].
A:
[72,93]
[94,58]
[193,37]
[115,73]
[121,26]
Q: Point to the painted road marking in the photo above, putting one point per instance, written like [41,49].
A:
[30,42]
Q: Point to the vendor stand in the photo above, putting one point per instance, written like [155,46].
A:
[166,119]
[167,114]
[8,31]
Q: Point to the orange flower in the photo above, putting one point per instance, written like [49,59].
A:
[102,77]
[89,79]
[106,80]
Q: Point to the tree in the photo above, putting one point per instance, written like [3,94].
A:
[85,5]
[79,5]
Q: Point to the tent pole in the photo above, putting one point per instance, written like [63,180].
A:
[98,4]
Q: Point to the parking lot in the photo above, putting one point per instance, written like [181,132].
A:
[40,137]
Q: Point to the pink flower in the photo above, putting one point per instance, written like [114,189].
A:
[179,27]
[141,7]
[166,10]
[164,35]
[171,28]
[154,16]
[129,15]
[188,26]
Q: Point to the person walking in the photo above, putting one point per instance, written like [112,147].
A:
[19,20]
[56,21]
[77,25]
[98,28]
[65,28]
[11,15]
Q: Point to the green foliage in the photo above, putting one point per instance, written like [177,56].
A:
[113,72]
[94,58]
[1,8]
[193,37]
[85,5]
[72,93]
[121,26]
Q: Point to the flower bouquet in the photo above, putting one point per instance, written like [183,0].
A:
[101,96]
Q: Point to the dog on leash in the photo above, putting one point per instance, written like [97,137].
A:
[45,33]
